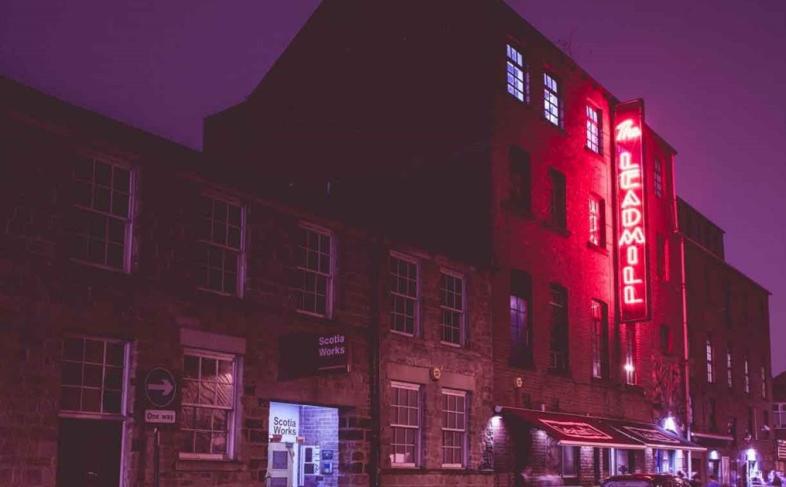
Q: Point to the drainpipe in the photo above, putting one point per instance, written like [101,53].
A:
[377,259]
[684,296]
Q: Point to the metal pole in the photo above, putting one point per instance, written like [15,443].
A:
[156,466]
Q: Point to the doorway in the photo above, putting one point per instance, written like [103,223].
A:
[89,453]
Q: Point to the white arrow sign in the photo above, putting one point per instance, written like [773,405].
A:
[165,387]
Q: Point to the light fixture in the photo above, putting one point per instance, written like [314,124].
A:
[628,367]
[750,454]
[714,455]
[670,424]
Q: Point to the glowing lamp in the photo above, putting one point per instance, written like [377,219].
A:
[750,455]
[629,368]
[669,424]
[714,455]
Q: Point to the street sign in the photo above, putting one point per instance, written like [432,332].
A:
[160,416]
[160,387]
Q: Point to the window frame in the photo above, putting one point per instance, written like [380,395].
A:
[128,225]
[630,368]
[524,346]
[558,203]
[522,67]
[600,339]
[559,328]
[124,388]
[463,431]
[729,368]
[418,388]
[746,375]
[462,312]
[417,298]
[657,180]
[234,412]
[763,378]
[240,271]
[709,362]
[331,276]
[594,128]
[597,236]
[548,104]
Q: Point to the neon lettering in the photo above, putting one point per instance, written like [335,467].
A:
[626,130]
[630,237]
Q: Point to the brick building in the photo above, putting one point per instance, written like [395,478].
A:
[728,326]
[449,120]
[119,256]
[779,419]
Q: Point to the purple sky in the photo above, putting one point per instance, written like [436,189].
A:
[711,72]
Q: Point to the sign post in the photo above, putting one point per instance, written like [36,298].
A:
[160,389]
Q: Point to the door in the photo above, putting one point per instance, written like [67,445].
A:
[89,453]
[280,465]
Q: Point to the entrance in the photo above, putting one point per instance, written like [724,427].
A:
[303,448]
[89,453]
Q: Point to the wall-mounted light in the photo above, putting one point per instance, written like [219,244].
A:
[670,424]
[750,455]
[714,455]
[629,367]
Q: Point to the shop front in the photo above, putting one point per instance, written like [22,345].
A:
[721,459]
[585,450]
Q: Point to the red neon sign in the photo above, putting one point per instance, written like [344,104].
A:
[632,235]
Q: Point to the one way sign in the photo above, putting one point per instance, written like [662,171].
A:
[160,387]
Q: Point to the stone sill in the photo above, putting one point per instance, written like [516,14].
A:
[197,465]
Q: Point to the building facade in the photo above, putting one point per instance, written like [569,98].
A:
[731,386]
[779,420]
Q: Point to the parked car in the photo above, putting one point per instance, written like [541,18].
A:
[646,480]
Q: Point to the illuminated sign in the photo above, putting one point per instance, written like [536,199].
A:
[577,430]
[781,449]
[651,435]
[632,235]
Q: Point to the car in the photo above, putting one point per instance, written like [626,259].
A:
[646,480]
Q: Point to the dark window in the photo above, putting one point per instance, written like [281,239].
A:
[221,246]
[559,328]
[665,339]
[712,419]
[520,319]
[558,204]
[597,221]
[729,368]
[662,260]
[452,306]
[570,461]
[658,169]
[751,425]
[520,180]
[403,294]
[600,339]
[315,268]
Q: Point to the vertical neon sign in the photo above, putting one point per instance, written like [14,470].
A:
[631,223]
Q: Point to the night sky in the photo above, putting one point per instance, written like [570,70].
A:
[711,72]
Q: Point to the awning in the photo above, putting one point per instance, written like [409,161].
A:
[653,436]
[712,440]
[574,430]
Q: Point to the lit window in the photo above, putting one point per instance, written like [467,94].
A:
[763,382]
[207,414]
[315,268]
[597,221]
[665,340]
[454,428]
[747,376]
[709,360]
[558,200]
[600,339]
[658,169]
[517,75]
[559,328]
[221,235]
[729,369]
[631,377]
[404,294]
[593,129]
[520,329]
[452,307]
[405,424]
[93,371]
[551,100]
[102,225]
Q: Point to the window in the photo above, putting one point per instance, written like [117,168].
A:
[712,417]
[315,268]
[552,109]
[729,369]
[631,377]
[520,324]
[763,374]
[600,339]
[747,375]
[520,180]
[452,307]
[454,428]
[102,224]
[569,461]
[727,311]
[751,423]
[662,257]
[665,339]
[658,179]
[93,376]
[593,129]
[207,414]
[404,294]
[779,415]
[559,328]
[709,361]
[405,424]
[558,200]
[597,221]
[221,235]
[517,75]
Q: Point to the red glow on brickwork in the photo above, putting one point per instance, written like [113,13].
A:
[632,236]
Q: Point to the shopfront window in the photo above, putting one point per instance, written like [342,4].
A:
[570,461]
